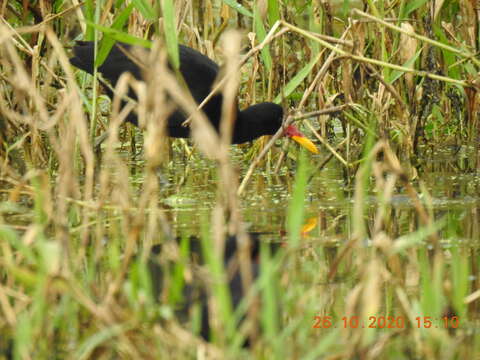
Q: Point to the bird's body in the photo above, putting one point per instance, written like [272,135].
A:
[199,73]
[195,291]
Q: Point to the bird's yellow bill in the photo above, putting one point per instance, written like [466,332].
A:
[309,225]
[292,132]
[306,143]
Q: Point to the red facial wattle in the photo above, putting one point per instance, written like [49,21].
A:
[295,134]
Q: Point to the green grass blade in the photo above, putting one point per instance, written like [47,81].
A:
[270,312]
[460,275]
[238,7]
[431,290]
[412,6]
[448,56]
[90,16]
[89,345]
[178,282]
[297,79]
[220,287]
[170,32]
[108,42]
[297,202]
[273,11]
[321,350]
[396,74]
[121,36]
[259,29]
[145,9]
[9,235]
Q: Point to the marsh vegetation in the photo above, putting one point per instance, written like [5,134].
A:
[378,235]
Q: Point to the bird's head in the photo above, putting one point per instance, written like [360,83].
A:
[265,119]
[293,133]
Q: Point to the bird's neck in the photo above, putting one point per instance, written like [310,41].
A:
[245,129]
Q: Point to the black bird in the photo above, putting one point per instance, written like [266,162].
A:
[199,73]
[195,292]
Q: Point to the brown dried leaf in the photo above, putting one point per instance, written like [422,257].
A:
[408,48]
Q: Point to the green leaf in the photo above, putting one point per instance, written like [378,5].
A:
[261,34]
[449,57]
[220,288]
[415,238]
[108,42]
[297,202]
[238,7]
[270,311]
[396,74]
[89,16]
[121,36]
[178,282]
[460,281]
[170,31]
[273,11]
[412,6]
[85,349]
[145,9]
[345,9]
[297,79]
[322,346]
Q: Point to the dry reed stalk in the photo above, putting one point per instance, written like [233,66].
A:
[155,111]
[63,128]
[407,31]
[228,177]
[361,58]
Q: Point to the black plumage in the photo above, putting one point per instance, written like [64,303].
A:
[195,292]
[199,73]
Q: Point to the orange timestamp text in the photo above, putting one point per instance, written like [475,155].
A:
[385,322]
